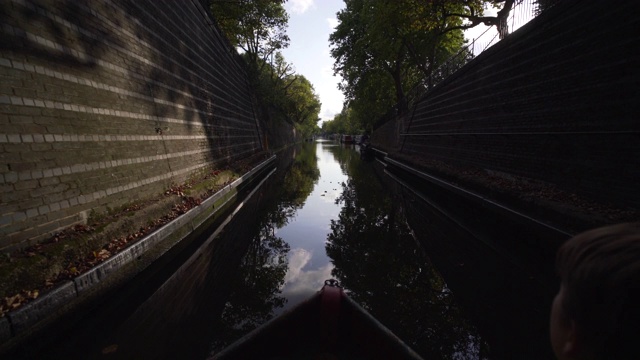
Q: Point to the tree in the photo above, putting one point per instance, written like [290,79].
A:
[258,27]
[382,45]
[367,39]
[342,123]
[472,11]
[302,103]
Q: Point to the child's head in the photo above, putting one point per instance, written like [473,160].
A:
[596,314]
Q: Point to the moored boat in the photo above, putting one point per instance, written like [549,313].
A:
[346,139]
[329,325]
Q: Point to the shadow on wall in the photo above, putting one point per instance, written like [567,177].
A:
[197,78]
[20,20]
[109,102]
[184,66]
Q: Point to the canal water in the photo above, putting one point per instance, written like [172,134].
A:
[326,212]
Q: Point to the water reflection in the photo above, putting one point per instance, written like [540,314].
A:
[257,291]
[309,265]
[338,220]
[324,213]
[377,259]
[500,270]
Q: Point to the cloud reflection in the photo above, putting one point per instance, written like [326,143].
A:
[304,282]
[330,196]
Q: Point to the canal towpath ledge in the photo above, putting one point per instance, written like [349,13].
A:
[119,268]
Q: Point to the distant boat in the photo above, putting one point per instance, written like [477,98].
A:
[346,139]
[329,325]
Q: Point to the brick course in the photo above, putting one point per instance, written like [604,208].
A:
[104,102]
[555,101]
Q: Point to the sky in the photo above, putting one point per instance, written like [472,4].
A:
[310,24]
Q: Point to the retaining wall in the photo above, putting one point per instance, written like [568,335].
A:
[555,101]
[106,102]
[108,275]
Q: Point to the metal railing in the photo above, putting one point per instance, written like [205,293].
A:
[521,13]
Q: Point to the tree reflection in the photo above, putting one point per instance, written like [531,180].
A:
[378,261]
[256,290]
[299,180]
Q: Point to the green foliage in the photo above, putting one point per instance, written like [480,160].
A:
[470,13]
[302,104]
[383,48]
[389,52]
[258,27]
[287,95]
[306,130]
[342,123]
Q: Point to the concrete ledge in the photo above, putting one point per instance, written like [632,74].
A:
[20,320]
[5,329]
[507,211]
[379,152]
[42,307]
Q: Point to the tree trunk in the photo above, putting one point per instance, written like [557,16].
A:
[401,99]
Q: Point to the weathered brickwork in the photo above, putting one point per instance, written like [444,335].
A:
[104,102]
[556,101]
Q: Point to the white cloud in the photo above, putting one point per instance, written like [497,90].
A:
[330,96]
[300,6]
[331,99]
[327,72]
[333,22]
[329,114]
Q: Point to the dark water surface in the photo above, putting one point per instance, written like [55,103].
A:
[327,213]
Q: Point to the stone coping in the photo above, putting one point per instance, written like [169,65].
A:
[502,208]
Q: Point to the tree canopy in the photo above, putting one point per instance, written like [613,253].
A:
[388,52]
[258,28]
[342,123]
[288,96]
[383,49]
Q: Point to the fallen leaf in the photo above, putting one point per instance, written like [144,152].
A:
[103,254]
[9,301]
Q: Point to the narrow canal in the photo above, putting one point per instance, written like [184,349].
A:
[327,213]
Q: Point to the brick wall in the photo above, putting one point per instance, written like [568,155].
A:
[105,102]
[556,101]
